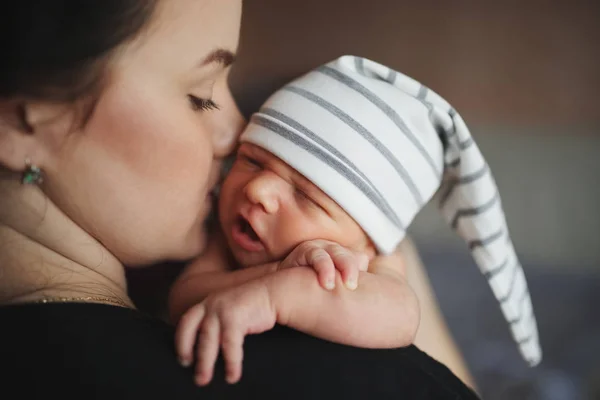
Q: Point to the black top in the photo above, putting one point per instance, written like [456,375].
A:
[95,351]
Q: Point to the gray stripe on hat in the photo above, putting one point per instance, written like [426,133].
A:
[517,319]
[496,270]
[385,108]
[357,127]
[468,212]
[451,185]
[525,295]
[359,64]
[453,164]
[422,97]
[466,143]
[487,240]
[333,163]
[528,316]
[520,317]
[452,114]
[508,294]
[525,340]
[316,138]
[391,76]
[474,176]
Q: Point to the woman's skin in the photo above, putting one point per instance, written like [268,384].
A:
[130,186]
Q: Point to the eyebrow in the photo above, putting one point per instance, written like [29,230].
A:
[220,56]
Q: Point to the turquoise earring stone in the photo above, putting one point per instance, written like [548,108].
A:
[32,175]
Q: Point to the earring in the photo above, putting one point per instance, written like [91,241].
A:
[32,174]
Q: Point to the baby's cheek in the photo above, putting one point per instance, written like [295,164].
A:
[292,231]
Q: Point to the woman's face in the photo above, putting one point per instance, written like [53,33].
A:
[138,175]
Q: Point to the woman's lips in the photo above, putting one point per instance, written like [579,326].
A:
[243,239]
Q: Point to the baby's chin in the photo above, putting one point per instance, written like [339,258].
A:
[246,259]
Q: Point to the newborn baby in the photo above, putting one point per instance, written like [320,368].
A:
[330,173]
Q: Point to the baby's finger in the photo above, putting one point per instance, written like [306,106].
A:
[322,263]
[347,263]
[363,262]
[208,350]
[233,353]
[187,332]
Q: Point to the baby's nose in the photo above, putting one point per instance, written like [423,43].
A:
[266,190]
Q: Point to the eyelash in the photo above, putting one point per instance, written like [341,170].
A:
[199,104]
[251,161]
[312,202]
[303,195]
[306,197]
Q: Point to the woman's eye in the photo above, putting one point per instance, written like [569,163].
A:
[199,104]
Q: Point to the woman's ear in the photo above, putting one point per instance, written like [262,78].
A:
[27,129]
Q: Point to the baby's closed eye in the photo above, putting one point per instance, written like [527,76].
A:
[249,161]
[304,197]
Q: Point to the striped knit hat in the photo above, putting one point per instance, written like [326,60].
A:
[381,145]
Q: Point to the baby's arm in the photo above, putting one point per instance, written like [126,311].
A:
[213,272]
[210,273]
[382,312]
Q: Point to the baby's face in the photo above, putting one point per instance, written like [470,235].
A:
[266,209]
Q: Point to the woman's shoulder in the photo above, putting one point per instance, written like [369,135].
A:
[90,351]
[101,351]
[325,370]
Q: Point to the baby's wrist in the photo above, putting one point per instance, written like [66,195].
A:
[273,267]
[267,269]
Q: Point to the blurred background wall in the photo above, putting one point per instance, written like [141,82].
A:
[525,75]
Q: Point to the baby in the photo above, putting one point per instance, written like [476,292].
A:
[330,173]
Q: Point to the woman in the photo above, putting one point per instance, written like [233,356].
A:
[114,118]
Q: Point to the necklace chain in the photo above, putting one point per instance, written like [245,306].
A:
[91,299]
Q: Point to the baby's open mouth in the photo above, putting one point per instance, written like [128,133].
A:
[246,228]
[245,236]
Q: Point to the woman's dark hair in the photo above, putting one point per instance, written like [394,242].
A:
[58,49]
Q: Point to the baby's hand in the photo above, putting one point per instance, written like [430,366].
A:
[223,320]
[325,257]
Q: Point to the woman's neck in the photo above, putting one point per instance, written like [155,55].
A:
[45,255]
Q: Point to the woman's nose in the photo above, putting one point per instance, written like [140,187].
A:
[228,121]
[266,190]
